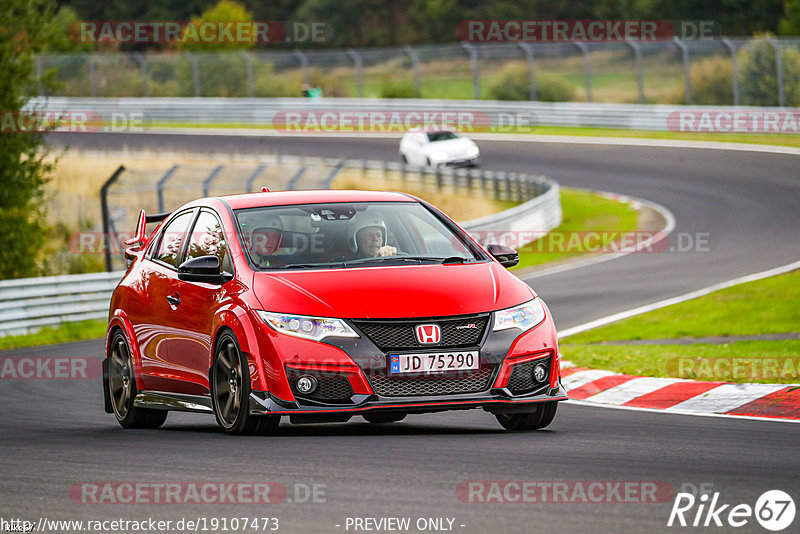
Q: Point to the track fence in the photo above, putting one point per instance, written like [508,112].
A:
[621,71]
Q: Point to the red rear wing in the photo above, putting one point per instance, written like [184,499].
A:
[144,219]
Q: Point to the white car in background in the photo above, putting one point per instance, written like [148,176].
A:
[434,149]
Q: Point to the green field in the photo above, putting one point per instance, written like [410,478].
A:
[64,333]
[766,306]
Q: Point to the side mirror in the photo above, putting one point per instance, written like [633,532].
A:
[202,269]
[507,256]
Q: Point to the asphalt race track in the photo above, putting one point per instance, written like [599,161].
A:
[54,434]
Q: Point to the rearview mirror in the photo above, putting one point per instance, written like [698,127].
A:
[507,256]
[202,269]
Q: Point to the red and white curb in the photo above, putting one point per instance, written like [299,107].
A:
[675,395]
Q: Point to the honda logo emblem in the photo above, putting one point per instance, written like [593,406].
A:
[428,333]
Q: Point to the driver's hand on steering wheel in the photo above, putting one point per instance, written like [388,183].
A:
[387,250]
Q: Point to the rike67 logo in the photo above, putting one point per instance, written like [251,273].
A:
[774,510]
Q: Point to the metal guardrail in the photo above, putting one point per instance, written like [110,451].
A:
[483,115]
[542,213]
[29,304]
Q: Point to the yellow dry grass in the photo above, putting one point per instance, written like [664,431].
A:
[459,203]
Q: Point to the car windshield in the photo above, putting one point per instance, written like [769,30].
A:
[342,235]
[441,136]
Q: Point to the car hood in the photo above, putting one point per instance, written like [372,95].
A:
[450,146]
[392,292]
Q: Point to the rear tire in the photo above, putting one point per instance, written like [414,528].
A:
[122,388]
[379,418]
[230,392]
[543,416]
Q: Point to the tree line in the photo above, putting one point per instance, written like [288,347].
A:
[374,23]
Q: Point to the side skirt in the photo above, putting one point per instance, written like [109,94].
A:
[161,400]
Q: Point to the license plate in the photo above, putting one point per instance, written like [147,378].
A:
[433,362]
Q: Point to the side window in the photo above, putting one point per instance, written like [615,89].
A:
[208,239]
[172,237]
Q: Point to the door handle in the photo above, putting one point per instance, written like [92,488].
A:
[175,300]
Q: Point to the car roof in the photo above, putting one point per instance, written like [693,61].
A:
[279,198]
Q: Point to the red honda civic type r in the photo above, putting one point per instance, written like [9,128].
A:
[322,305]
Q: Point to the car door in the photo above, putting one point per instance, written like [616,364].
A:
[190,316]
[149,316]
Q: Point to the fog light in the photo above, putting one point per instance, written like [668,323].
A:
[540,372]
[306,384]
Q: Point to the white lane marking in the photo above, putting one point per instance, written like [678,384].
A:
[632,389]
[576,380]
[679,412]
[676,300]
[726,397]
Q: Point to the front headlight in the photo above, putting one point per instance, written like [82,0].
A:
[438,156]
[525,316]
[316,328]
[473,151]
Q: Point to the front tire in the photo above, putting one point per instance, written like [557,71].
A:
[543,416]
[230,391]
[122,388]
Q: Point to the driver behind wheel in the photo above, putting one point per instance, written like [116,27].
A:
[368,238]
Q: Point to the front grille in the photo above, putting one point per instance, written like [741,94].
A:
[434,384]
[521,380]
[400,335]
[332,388]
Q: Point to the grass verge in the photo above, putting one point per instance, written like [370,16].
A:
[582,211]
[792,140]
[766,306]
[63,333]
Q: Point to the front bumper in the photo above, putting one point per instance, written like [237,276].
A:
[353,373]
[463,162]
[496,400]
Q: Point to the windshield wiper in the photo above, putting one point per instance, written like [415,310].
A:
[407,259]
[386,259]
[304,266]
